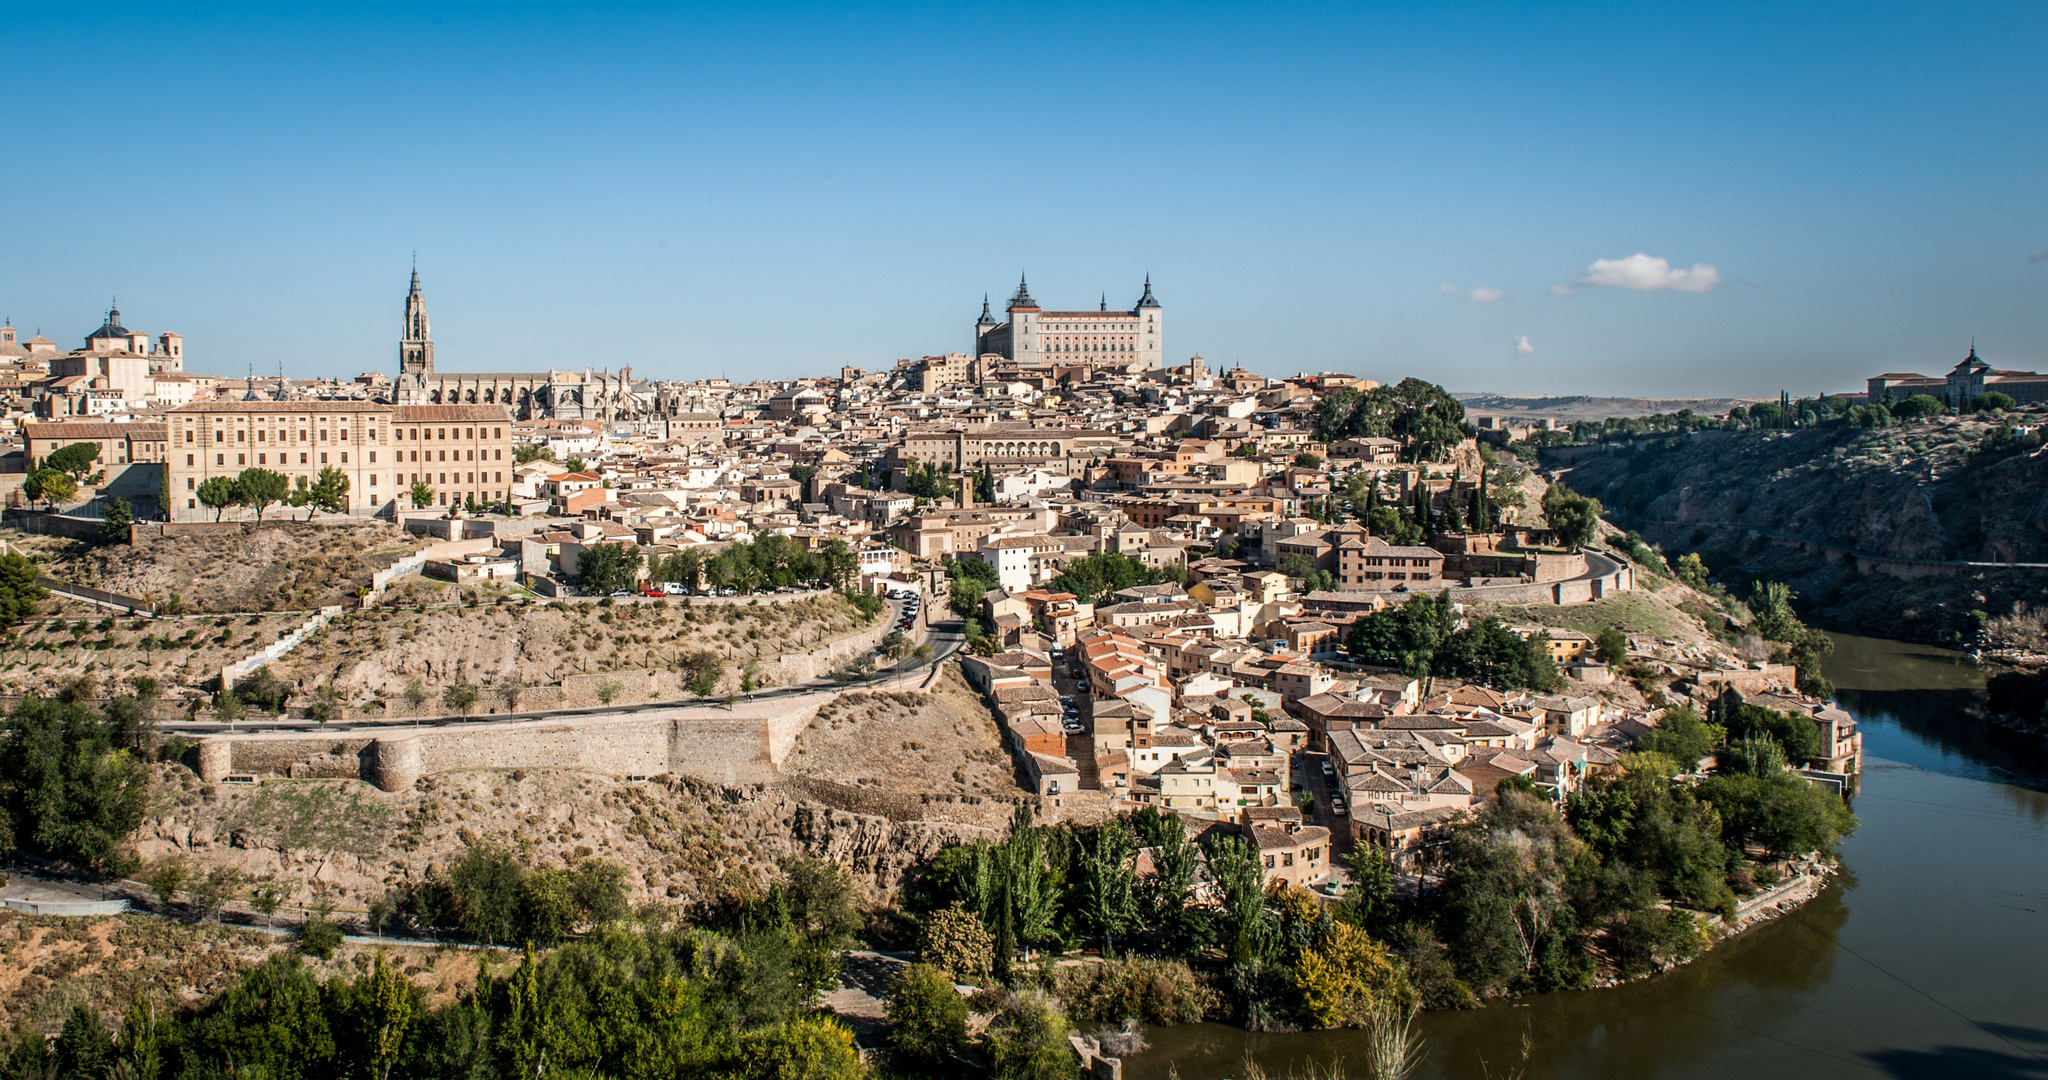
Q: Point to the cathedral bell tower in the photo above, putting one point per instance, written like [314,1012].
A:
[415,344]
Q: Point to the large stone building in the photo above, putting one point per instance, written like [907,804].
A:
[119,443]
[460,452]
[1971,378]
[1033,337]
[532,395]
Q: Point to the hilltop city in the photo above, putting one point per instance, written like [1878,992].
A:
[1254,646]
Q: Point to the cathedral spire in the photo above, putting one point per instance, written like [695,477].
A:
[986,318]
[415,340]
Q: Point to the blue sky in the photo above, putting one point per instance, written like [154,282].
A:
[1454,191]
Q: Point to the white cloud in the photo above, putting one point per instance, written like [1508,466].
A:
[1563,290]
[1649,273]
[1522,346]
[1481,294]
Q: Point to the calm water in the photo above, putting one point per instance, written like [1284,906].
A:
[1927,958]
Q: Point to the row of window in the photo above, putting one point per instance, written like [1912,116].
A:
[341,434]
[1311,857]
[264,458]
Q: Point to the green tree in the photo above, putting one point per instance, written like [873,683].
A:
[1919,406]
[1487,652]
[968,580]
[685,568]
[805,1048]
[330,492]
[378,1015]
[1771,603]
[526,453]
[421,495]
[300,496]
[1027,1039]
[168,877]
[927,1017]
[1799,735]
[84,1047]
[20,596]
[460,697]
[1782,813]
[217,493]
[1682,736]
[574,463]
[1240,882]
[1368,901]
[598,889]
[1506,897]
[228,708]
[702,671]
[75,460]
[257,488]
[1575,518]
[50,485]
[115,518]
[606,568]
[1692,570]
[955,941]
[1105,897]
[1306,460]
[1611,646]
[66,790]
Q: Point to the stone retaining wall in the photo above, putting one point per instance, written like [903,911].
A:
[687,741]
[986,810]
[1602,576]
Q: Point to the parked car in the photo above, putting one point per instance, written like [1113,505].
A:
[623,592]
[1329,770]
[1337,805]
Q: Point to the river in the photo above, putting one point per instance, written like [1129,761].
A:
[1927,957]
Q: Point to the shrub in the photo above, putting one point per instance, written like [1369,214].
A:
[1644,940]
[1027,1039]
[1146,988]
[956,942]
[927,1017]
[318,936]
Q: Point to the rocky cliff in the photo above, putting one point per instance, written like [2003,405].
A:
[1857,520]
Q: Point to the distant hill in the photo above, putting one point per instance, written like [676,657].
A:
[1594,408]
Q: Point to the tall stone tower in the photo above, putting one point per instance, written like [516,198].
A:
[1152,328]
[1026,346]
[415,344]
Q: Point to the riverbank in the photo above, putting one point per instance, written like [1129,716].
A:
[1920,943]
[1809,877]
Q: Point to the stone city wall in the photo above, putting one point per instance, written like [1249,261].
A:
[688,741]
[1601,577]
